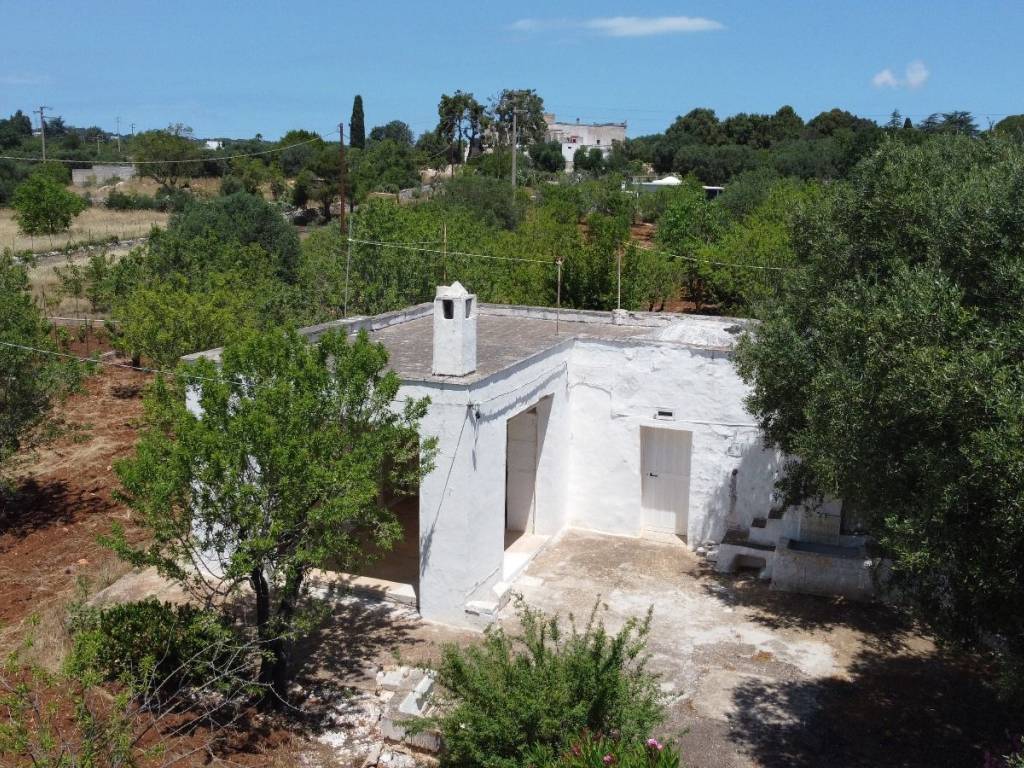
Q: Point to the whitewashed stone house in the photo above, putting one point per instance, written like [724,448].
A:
[624,423]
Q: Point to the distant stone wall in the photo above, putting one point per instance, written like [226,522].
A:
[98,174]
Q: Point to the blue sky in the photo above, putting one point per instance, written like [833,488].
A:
[241,68]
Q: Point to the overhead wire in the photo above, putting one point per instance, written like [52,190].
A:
[112,364]
[164,162]
[403,246]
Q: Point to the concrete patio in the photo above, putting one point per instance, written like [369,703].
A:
[756,677]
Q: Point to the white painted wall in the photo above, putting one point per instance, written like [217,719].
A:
[462,501]
[616,388]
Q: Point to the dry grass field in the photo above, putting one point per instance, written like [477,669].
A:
[93,225]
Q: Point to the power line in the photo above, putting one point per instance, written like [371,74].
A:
[127,366]
[156,162]
[723,263]
[403,246]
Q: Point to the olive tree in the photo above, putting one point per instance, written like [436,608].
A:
[890,364]
[282,473]
[29,381]
[42,206]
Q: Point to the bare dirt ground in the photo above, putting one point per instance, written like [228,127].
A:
[762,678]
[63,501]
[92,225]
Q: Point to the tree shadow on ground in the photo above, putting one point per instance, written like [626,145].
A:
[35,506]
[898,710]
[339,659]
[882,626]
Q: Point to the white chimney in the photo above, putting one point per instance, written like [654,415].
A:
[454,331]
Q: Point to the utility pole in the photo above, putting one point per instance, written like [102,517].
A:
[133,130]
[118,136]
[341,175]
[42,127]
[515,130]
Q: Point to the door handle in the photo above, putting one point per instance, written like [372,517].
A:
[651,474]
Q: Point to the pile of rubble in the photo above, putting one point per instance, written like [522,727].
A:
[379,724]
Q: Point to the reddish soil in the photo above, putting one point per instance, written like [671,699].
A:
[64,498]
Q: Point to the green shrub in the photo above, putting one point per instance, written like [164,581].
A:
[159,643]
[43,207]
[590,751]
[519,700]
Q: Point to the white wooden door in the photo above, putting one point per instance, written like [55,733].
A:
[521,471]
[665,464]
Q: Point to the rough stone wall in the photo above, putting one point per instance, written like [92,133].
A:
[99,174]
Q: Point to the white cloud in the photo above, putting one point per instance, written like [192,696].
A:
[915,76]
[637,26]
[885,79]
[19,78]
[623,26]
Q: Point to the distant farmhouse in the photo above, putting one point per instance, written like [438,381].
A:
[572,136]
[629,423]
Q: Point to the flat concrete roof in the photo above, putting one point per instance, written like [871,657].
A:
[507,335]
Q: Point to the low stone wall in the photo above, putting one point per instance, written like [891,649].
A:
[99,174]
[823,570]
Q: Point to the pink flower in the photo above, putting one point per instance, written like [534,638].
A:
[608,759]
[655,744]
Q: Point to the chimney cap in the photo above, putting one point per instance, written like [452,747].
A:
[453,291]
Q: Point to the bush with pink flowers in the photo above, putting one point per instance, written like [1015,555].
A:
[597,751]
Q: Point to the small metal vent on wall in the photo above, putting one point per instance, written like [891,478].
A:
[664,414]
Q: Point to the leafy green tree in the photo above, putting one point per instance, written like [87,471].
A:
[462,120]
[488,198]
[835,119]
[162,320]
[743,267]
[357,124]
[547,156]
[239,218]
[169,157]
[959,122]
[588,160]
[30,381]
[1012,125]
[299,149]
[325,168]
[785,125]
[434,150]
[396,130]
[384,166]
[251,173]
[14,130]
[302,189]
[649,279]
[689,224]
[530,122]
[890,365]
[281,474]
[43,206]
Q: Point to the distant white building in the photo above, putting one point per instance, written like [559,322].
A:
[630,423]
[572,136]
[213,144]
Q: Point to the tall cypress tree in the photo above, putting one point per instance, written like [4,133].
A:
[356,126]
